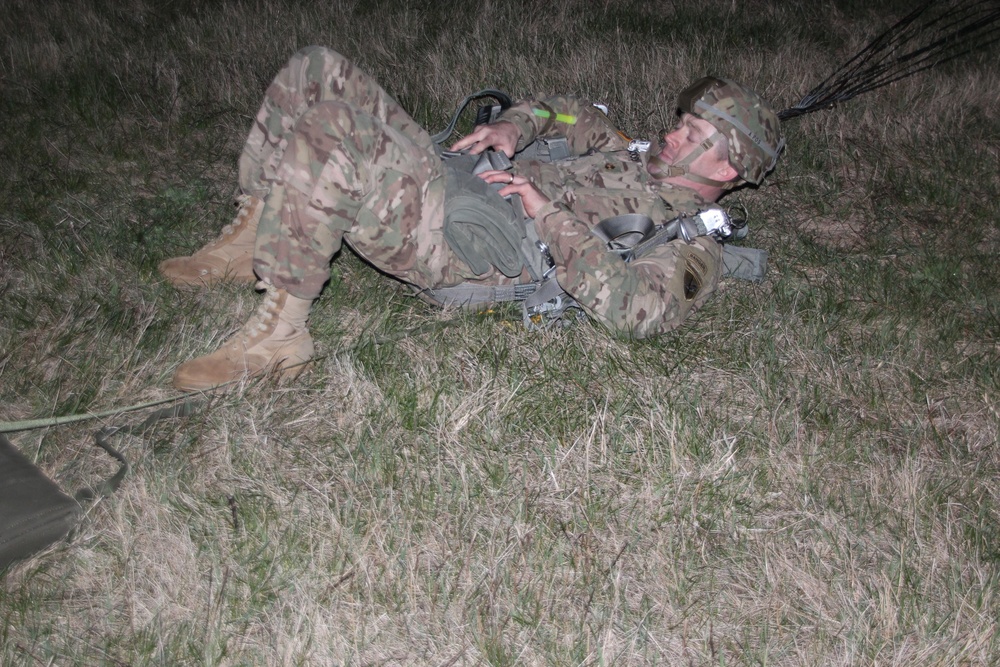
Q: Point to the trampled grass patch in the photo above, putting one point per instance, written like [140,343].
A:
[805,473]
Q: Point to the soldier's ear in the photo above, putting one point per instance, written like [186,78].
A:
[726,172]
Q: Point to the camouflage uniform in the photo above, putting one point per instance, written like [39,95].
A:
[337,160]
[647,296]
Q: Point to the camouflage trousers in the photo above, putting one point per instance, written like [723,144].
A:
[335,160]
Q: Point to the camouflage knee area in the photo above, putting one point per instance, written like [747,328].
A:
[329,76]
[329,155]
[313,75]
[341,160]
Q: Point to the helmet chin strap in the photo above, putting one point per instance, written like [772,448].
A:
[682,168]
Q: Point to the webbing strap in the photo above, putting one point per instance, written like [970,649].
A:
[468,295]
[548,290]
[505,103]
[633,235]
[624,231]
[630,235]
[551,149]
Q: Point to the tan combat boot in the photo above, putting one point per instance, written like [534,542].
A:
[227,258]
[274,339]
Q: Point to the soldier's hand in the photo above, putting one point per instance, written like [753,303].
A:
[531,197]
[500,136]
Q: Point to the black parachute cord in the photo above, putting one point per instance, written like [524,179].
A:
[837,87]
[920,66]
[931,55]
[871,68]
[890,42]
[861,66]
[956,33]
[837,80]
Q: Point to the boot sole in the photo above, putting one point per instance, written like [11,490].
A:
[280,370]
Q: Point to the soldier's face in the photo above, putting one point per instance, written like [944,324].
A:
[689,133]
[679,143]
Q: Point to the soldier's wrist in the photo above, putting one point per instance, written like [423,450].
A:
[524,122]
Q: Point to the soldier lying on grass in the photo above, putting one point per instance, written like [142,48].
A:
[333,159]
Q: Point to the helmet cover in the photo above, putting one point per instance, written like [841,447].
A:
[747,121]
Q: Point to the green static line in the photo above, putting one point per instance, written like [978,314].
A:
[29,424]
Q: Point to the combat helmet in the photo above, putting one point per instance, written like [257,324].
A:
[739,114]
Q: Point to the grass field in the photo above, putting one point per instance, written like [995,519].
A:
[806,473]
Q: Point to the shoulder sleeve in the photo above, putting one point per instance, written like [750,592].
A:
[643,298]
[584,125]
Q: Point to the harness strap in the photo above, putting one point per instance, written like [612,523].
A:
[550,149]
[471,295]
[633,235]
[622,232]
[546,291]
[547,304]
[505,103]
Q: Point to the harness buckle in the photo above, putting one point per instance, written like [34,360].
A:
[637,146]
[543,248]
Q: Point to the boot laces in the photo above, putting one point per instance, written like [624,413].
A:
[243,203]
[262,320]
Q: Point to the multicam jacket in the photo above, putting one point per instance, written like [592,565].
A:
[647,296]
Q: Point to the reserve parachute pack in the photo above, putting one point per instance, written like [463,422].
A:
[487,232]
